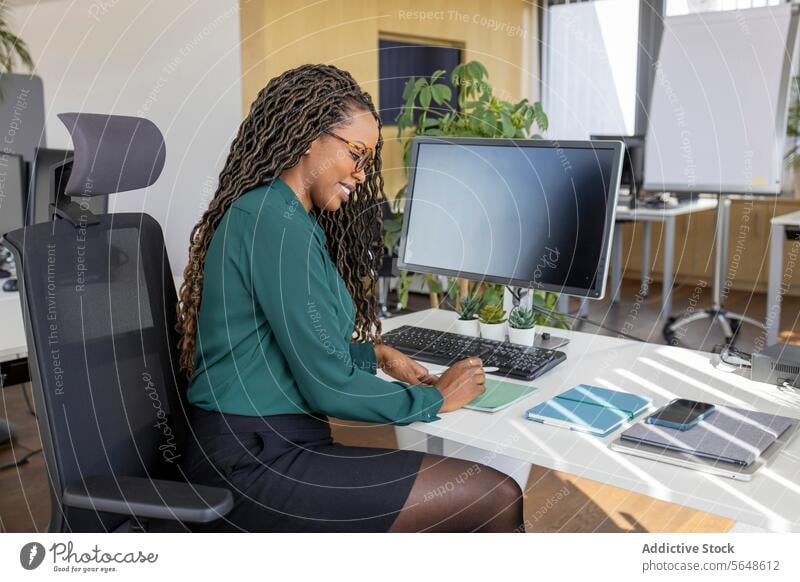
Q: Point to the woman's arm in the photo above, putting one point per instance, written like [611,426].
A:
[289,281]
[399,366]
[365,356]
[371,357]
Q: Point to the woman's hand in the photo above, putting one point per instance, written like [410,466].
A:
[461,383]
[400,367]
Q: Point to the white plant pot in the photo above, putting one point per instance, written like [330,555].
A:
[467,327]
[523,337]
[494,331]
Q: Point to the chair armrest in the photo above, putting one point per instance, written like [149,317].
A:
[152,498]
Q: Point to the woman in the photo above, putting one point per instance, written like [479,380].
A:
[272,296]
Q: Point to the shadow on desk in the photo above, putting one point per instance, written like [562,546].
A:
[553,502]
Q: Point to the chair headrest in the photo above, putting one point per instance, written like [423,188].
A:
[113,153]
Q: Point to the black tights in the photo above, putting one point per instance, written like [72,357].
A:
[452,495]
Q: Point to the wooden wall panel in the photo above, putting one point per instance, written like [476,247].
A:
[280,34]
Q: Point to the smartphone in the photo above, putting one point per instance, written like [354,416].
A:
[681,414]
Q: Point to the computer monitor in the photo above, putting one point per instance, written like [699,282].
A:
[42,188]
[527,213]
[632,163]
[12,192]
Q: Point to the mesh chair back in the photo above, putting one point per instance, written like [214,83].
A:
[99,304]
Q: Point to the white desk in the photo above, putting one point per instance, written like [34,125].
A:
[12,330]
[647,215]
[777,276]
[13,344]
[505,439]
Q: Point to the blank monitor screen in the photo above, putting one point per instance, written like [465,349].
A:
[12,192]
[529,213]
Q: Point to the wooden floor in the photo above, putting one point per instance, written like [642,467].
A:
[554,501]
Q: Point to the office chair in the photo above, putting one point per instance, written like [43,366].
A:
[99,309]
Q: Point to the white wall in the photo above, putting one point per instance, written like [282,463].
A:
[175,62]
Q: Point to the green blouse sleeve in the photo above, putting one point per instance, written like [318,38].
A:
[363,356]
[289,279]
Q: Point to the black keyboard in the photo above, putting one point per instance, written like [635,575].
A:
[440,347]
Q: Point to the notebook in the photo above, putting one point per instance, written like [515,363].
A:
[732,435]
[499,395]
[590,409]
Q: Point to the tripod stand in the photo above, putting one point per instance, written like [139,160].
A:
[727,320]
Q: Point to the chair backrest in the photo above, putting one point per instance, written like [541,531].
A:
[113,153]
[99,308]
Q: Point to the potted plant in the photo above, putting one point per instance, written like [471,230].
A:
[521,325]
[467,322]
[492,320]
[12,48]
[428,109]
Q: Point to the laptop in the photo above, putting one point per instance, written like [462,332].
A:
[720,466]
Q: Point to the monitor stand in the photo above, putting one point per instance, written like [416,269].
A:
[547,341]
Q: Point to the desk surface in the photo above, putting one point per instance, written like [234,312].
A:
[645,213]
[12,330]
[791,219]
[771,500]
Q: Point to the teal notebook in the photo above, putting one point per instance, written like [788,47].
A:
[590,409]
[499,395]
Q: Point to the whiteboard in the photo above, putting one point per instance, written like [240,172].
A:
[717,119]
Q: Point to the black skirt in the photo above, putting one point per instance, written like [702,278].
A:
[287,475]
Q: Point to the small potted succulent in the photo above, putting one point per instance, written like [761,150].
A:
[521,325]
[467,322]
[492,318]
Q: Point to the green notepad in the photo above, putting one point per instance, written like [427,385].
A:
[499,395]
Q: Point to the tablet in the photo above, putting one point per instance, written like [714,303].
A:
[721,468]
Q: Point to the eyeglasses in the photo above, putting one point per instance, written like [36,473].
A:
[361,154]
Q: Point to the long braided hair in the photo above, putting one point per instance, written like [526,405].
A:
[292,111]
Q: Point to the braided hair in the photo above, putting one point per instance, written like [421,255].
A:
[292,111]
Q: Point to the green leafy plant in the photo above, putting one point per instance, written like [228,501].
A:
[545,304]
[492,313]
[470,306]
[478,113]
[12,47]
[792,157]
[522,317]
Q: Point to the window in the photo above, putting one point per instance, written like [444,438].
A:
[590,73]
[677,7]
[401,59]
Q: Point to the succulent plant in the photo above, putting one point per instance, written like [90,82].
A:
[470,306]
[492,313]
[522,317]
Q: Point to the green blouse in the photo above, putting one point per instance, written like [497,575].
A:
[276,323]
